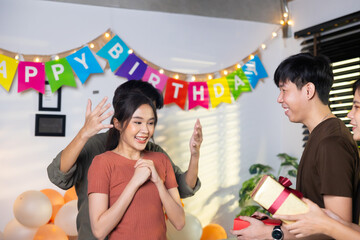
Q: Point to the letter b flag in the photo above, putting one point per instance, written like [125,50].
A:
[115,51]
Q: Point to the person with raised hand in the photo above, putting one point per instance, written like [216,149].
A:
[70,166]
[129,187]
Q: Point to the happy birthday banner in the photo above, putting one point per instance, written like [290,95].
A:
[124,63]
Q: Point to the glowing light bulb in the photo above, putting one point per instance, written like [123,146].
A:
[285,15]
[225,72]
[209,77]
[263,46]
[161,71]
[17,57]
[193,78]
[282,22]
[238,65]
[176,76]
[107,35]
[251,56]
[56,57]
[274,34]
[92,45]
[290,22]
[130,51]
[37,59]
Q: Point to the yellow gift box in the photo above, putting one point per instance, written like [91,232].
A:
[276,198]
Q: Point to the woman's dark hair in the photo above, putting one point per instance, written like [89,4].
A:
[142,87]
[125,105]
[356,86]
[303,68]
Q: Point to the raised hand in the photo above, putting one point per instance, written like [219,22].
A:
[196,139]
[94,118]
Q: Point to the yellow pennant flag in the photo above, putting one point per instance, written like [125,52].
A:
[219,91]
[8,68]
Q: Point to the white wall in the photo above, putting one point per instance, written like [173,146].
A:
[252,129]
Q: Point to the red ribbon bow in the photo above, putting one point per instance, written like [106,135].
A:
[287,183]
[284,194]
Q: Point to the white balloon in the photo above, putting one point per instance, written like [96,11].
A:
[66,218]
[32,209]
[191,231]
[16,231]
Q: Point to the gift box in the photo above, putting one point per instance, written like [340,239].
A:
[241,224]
[277,197]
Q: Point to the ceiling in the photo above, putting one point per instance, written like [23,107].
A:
[266,11]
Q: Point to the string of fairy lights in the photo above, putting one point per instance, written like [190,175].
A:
[97,43]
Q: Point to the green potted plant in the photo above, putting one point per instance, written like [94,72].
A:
[246,204]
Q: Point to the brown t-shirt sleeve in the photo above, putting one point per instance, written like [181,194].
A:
[336,167]
[99,176]
[170,180]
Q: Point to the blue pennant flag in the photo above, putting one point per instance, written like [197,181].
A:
[115,51]
[84,63]
[254,70]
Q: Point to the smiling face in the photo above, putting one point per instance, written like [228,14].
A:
[293,100]
[354,115]
[139,130]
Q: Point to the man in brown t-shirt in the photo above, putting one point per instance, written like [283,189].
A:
[328,173]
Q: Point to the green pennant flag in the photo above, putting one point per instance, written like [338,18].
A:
[59,72]
[238,83]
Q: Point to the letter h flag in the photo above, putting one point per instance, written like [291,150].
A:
[198,95]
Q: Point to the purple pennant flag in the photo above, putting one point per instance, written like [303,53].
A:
[133,68]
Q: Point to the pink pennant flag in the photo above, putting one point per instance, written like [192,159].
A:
[155,78]
[31,75]
[198,95]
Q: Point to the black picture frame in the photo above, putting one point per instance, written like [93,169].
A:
[50,101]
[50,125]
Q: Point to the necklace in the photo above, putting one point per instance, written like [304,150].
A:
[325,116]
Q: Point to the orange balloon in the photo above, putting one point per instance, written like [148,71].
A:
[55,197]
[56,200]
[70,195]
[213,232]
[55,210]
[50,232]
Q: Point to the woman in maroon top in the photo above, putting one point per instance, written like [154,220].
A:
[128,187]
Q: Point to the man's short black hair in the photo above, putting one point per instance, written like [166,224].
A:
[303,68]
[356,86]
[143,87]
